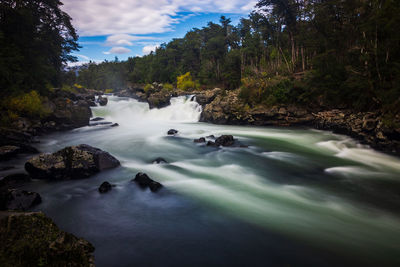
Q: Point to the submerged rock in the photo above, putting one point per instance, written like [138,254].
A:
[105,187]
[7,152]
[102,100]
[159,160]
[143,180]
[223,140]
[200,140]
[172,132]
[14,199]
[32,239]
[114,125]
[72,162]
[97,119]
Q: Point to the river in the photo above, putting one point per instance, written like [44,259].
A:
[293,197]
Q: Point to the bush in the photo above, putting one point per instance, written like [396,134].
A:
[148,87]
[169,87]
[108,91]
[185,82]
[28,105]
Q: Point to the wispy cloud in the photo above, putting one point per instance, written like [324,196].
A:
[125,39]
[117,50]
[84,57]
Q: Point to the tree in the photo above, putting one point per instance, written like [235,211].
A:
[36,39]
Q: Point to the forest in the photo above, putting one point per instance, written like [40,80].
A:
[327,53]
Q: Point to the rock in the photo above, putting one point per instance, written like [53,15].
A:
[15,199]
[207,96]
[6,168]
[100,123]
[68,114]
[102,100]
[159,100]
[7,152]
[114,125]
[145,181]
[200,140]
[224,140]
[14,179]
[97,119]
[72,162]
[159,160]
[211,136]
[172,132]
[32,239]
[91,103]
[105,187]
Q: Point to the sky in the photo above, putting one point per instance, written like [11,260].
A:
[129,28]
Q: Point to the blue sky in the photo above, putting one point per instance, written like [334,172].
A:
[127,28]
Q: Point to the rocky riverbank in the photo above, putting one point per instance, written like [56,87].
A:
[226,107]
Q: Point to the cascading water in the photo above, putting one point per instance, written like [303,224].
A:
[294,196]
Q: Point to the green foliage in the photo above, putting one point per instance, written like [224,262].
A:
[108,91]
[36,38]
[26,105]
[148,87]
[185,82]
[169,87]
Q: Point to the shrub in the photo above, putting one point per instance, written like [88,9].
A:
[185,82]
[108,91]
[29,105]
[148,87]
[169,87]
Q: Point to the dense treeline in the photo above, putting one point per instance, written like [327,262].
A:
[339,53]
[36,39]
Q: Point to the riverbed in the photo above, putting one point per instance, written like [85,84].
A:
[281,197]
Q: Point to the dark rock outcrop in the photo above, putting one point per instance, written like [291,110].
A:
[68,114]
[223,140]
[70,163]
[144,181]
[32,239]
[105,187]
[114,125]
[15,199]
[97,119]
[172,132]
[7,152]
[159,160]
[159,100]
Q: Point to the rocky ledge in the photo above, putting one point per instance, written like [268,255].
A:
[72,162]
[32,239]
[368,127]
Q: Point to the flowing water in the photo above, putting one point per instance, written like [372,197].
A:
[293,197]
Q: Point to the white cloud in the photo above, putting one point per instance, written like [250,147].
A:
[125,39]
[149,48]
[117,50]
[110,17]
[80,63]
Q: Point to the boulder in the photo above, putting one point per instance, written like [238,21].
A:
[67,114]
[32,239]
[159,100]
[102,100]
[72,162]
[15,199]
[159,160]
[105,187]
[114,125]
[200,140]
[172,132]
[144,181]
[100,123]
[13,180]
[223,140]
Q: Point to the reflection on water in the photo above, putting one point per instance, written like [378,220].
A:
[291,196]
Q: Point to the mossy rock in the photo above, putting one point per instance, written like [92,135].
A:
[32,239]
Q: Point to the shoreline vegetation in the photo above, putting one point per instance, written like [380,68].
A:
[332,65]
